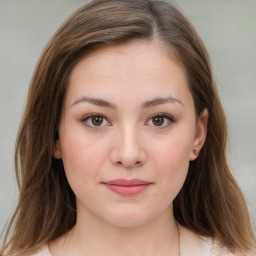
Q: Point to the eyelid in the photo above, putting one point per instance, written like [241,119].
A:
[165,115]
[88,116]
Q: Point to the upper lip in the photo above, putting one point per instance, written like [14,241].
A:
[124,182]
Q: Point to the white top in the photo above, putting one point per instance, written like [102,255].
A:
[191,244]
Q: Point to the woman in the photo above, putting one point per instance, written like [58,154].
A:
[122,143]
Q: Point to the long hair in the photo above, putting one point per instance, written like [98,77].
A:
[210,203]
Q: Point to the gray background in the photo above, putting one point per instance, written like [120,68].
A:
[227,28]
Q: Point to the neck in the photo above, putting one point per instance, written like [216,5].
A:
[93,236]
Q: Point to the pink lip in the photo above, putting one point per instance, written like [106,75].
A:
[127,187]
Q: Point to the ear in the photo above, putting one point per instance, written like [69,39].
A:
[200,134]
[57,151]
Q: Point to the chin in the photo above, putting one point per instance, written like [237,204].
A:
[128,218]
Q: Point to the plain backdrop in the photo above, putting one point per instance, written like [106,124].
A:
[228,28]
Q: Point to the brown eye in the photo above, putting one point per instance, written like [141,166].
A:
[97,120]
[158,120]
[161,120]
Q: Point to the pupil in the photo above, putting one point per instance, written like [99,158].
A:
[97,120]
[158,120]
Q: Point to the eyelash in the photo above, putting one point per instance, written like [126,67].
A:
[169,118]
[88,117]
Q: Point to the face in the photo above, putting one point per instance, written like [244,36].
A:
[127,133]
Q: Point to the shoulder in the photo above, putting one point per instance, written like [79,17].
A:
[219,249]
[194,244]
[44,251]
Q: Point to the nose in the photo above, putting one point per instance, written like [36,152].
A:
[128,150]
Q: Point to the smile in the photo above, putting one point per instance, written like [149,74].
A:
[127,187]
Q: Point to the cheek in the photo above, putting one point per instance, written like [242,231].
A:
[82,157]
[173,152]
[172,160]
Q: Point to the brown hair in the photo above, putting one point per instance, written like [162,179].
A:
[210,202]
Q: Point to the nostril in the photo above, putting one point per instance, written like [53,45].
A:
[129,165]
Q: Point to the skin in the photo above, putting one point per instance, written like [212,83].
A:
[127,143]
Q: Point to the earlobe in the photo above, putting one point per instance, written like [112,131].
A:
[200,135]
[57,151]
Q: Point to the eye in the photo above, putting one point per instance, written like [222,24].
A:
[95,121]
[161,120]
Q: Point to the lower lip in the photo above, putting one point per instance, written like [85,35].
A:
[127,190]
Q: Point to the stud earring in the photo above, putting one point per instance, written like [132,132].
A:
[196,152]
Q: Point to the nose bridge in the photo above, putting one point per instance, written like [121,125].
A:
[129,150]
[129,140]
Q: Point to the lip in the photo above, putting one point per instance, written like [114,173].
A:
[127,187]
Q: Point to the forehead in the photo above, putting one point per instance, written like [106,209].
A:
[136,50]
[139,67]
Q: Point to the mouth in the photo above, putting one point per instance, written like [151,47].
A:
[127,187]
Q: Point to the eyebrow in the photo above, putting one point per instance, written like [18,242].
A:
[104,103]
[159,101]
[95,101]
